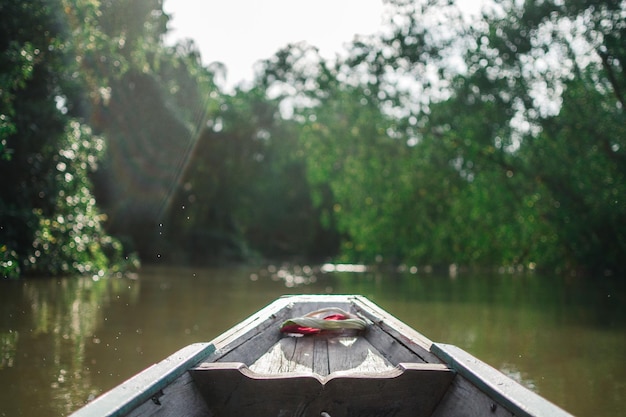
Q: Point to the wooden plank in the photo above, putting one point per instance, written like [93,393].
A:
[248,341]
[252,338]
[396,341]
[393,338]
[322,354]
[231,389]
[320,357]
[290,354]
[302,356]
[394,349]
[355,354]
[511,395]
[122,399]
[274,359]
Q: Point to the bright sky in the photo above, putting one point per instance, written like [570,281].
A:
[238,33]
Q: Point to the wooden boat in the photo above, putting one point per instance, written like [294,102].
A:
[385,369]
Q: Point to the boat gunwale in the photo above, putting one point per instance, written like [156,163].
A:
[130,394]
[517,399]
[140,388]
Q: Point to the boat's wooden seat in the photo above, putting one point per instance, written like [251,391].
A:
[306,376]
[232,389]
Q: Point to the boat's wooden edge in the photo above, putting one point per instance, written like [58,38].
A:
[122,399]
[250,325]
[410,338]
[518,399]
[397,371]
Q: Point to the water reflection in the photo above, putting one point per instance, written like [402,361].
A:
[45,331]
[514,373]
[292,275]
[8,348]
[65,341]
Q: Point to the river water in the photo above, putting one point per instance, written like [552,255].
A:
[65,341]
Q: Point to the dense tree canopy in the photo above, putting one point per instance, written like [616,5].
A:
[495,140]
[49,222]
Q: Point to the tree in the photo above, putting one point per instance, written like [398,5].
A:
[547,139]
[245,189]
[50,222]
[446,140]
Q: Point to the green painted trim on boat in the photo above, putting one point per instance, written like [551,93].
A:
[140,388]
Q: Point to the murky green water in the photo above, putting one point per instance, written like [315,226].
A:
[65,341]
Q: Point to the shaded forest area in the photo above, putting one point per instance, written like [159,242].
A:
[498,140]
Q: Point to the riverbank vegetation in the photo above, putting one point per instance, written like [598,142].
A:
[493,140]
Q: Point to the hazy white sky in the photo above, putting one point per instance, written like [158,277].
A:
[241,32]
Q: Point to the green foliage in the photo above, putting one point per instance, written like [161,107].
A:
[497,141]
[71,239]
[245,187]
[20,53]
[552,175]
[9,263]
[513,153]
[49,221]
[578,160]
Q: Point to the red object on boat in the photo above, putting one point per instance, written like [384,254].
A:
[297,329]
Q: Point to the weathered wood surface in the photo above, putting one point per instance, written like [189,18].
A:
[392,337]
[321,355]
[231,389]
[394,340]
[253,338]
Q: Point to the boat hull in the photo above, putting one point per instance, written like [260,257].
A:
[389,369]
